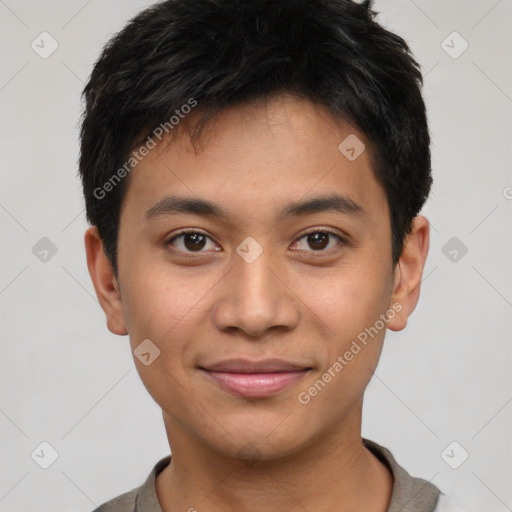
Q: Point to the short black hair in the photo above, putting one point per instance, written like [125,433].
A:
[213,54]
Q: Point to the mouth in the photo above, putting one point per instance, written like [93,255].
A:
[255,379]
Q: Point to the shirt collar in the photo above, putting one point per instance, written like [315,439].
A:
[409,494]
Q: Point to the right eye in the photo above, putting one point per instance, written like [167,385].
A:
[189,241]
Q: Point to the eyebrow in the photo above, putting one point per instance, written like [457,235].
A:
[171,205]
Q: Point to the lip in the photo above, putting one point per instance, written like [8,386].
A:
[248,366]
[255,378]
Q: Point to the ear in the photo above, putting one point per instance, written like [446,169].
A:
[408,272]
[104,281]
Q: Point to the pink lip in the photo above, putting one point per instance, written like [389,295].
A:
[256,384]
[255,378]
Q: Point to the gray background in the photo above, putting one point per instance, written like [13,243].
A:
[66,380]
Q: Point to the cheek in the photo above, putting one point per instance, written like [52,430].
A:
[156,301]
[347,301]
[349,305]
[169,309]
[351,309]
[165,315]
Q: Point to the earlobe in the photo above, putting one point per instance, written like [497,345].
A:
[104,281]
[408,273]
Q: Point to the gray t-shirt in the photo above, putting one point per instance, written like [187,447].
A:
[409,494]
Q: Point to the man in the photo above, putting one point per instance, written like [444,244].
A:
[253,173]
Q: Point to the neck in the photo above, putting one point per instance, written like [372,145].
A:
[335,472]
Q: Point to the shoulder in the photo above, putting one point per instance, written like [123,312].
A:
[142,498]
[446,504]
[408,492]
[122,503]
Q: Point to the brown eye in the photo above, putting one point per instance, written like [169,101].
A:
[318,241]
[194,241]
[189,242]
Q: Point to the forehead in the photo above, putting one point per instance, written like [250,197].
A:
[256,157]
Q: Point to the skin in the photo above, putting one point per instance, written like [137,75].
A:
[293,302]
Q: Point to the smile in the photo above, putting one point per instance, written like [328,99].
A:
[255,385]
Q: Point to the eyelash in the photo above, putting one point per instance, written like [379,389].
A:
[168,243]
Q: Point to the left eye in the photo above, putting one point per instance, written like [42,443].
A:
[195,241]
[318,240]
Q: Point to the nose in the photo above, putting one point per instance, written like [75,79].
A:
[256,298]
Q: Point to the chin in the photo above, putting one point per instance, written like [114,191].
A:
[265,443]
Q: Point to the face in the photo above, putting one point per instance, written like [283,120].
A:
[286,255]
